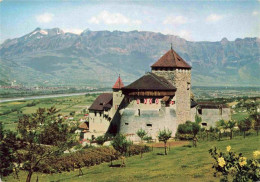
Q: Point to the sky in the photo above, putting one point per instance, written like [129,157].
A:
[194,20]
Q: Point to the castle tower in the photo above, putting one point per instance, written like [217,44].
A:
[173,68]
[117,94]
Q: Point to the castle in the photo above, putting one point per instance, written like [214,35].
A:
[161,99]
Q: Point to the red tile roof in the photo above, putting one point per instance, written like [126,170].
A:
[119,84]
[102,101]
[83,126]
[171,60]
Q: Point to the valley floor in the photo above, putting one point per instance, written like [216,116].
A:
[181,164]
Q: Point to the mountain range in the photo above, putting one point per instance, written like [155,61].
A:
[95,58]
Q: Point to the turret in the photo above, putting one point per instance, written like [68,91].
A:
[117,93]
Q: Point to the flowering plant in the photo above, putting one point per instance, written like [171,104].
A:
[236,167]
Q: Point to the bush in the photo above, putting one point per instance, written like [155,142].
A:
[137,149]
[184,136]
[231,165]
[148,139]
[85,158]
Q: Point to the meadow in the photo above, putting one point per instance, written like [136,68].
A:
[10,111]
[182,163]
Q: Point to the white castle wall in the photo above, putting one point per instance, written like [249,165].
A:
[152,118]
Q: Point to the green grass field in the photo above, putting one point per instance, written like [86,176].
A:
[181,164]
[65,104]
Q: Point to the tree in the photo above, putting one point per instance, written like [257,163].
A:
[198,119]
[191,129]
[141,133]
[257,123]
[244,125]
[121,144]
[254,115]
[164,136]
[195,130]
[230,125]
[44,136]
[7,151]
[221,124]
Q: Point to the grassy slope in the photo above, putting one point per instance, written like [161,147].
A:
[182,164]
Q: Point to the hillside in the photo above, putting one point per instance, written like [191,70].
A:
[95,58]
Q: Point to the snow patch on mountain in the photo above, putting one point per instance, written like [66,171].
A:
[43,32]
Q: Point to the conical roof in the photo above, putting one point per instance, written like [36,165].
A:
[119,84]
[171,60]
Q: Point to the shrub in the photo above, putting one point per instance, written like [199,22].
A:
[121,144]
[184,136]
[85,158]
[231,165]
[148,139]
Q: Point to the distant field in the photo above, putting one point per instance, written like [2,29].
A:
[66,105]
[181,164]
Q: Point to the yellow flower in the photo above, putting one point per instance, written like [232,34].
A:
[242,161]
[256,153]
[221,162]
[228,148]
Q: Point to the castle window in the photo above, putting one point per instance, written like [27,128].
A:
[139,112]
[100,113]
[188,85]
[142,100]
[126,123]
[153,100]
[204,124]
[200,111]
[150,125]
[95,113]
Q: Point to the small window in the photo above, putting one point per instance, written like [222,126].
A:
[204,124]
[126,123]
[150,125]
[188,86]
[100,113]
[153,100]
[95,113]
[142,100]
[139,112]
[200,111]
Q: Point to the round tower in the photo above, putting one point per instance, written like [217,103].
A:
[173,68]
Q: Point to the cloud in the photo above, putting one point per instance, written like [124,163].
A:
[182,33]
[45,18]
[1,1]
[254,13]
[214,18]
[175,20]
[74,30]
[112,18]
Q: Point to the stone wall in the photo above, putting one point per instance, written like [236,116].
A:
[211,116]
[181,79]
[98,122]
[151,120]
[117,99]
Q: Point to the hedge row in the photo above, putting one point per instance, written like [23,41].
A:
[86,158]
